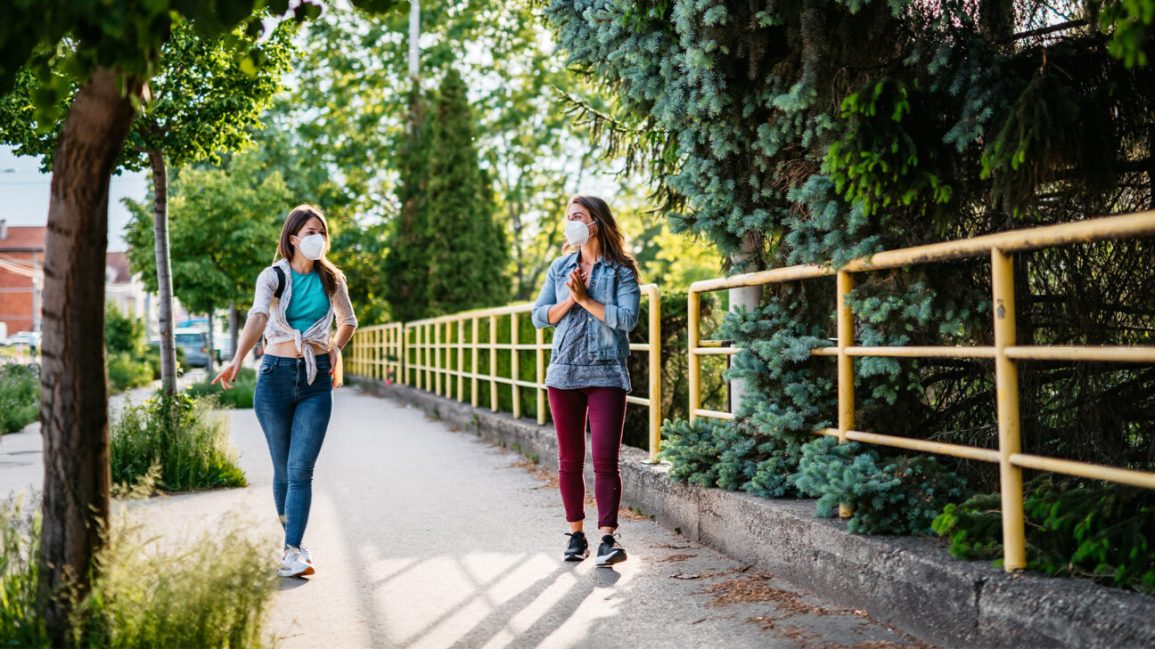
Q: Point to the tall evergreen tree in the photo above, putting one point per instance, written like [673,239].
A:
[406,265]
[446,251]
[468,259]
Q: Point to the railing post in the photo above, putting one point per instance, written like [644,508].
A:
[539,374]
[655,373]
[461,360]
[844,285]
[427,363]
[473,398]
[391,359]
[379,354]
[515,365]
[404,361]
[437,358]
[493,363]
[1007,387]
[693,361]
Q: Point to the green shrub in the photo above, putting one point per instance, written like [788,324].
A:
[692,450]
[214,594]
[123,332]
[899,495]
[180,434]
[126,372]
[1103,532]
[129,360]
[239,396]
[19,397]
[975,527]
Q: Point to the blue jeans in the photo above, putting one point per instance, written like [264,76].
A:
[294,416]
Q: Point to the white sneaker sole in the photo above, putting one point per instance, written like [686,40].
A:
[608,561]
[304,572]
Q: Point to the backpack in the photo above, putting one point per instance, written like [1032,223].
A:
[280,282]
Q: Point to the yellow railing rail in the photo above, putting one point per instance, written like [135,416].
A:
[1006,352]
[439,356]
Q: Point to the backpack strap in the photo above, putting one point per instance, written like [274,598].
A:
[280,282]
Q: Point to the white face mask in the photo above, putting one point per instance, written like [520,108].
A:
[312,246]
[576,233]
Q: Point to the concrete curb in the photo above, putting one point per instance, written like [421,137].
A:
[909,582]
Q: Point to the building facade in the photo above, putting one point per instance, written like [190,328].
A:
[21,276]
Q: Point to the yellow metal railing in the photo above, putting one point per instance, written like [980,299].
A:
[439,356]
[1005,352]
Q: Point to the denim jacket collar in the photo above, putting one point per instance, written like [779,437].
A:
[570,261]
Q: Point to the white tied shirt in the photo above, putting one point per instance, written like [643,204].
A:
[277,329]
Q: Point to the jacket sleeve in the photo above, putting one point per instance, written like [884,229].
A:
[623,314]
[343,307]
[263,295]
[545,299]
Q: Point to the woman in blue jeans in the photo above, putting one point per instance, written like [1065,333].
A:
[296,302]
[591,295]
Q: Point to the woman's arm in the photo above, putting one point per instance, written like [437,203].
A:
[547,311]
[254,327]
[622,315]
[344,333]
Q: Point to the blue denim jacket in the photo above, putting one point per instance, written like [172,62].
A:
[611,284]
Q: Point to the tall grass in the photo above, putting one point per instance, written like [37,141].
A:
[21,624]
[215,593]
[183,436]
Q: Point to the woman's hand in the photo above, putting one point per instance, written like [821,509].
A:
[334,359]
[228,375]
[577,286]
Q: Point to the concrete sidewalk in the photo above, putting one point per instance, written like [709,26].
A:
[426,537]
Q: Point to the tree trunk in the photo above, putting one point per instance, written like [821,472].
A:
[234,328]
[746,297]
[163,272]
[212,352]
[73,389]
[997,21]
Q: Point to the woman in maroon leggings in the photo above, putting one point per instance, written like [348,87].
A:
[591,296]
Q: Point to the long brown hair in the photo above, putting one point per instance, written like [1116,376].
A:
[330,274]
[609,236]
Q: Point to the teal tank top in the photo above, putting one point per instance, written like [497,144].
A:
[308,303]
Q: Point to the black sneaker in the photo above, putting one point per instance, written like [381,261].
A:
[610,552]
[578,548]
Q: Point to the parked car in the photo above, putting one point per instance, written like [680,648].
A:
[29,338]
[195,344]
[221,339]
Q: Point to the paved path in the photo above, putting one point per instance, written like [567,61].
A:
[426,537]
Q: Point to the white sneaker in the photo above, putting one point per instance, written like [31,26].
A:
[294,564]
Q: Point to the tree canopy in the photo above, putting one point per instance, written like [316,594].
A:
[223,228]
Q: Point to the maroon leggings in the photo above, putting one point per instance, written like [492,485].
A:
[607,416]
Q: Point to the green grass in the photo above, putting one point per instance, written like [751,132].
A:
[19,397]
[183,436]
[240,396]
[213,593]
